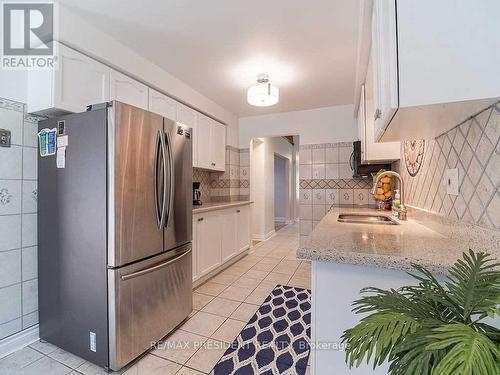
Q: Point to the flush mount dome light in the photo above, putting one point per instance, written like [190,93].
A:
[263,94]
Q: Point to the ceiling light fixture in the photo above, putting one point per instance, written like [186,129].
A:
[263,94]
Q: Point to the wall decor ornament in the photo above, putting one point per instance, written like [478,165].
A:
[414,156]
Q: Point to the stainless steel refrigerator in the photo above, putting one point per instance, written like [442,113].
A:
[114,233]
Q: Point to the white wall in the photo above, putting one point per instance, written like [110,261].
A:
[281,188]
[321,125]
[14,85]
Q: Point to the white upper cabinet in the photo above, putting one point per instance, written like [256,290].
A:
[162,104]
[128,90]
[218,146]
[211,144]
[189,117]
[204,142]
[371,151]
[77,82]
[434,65]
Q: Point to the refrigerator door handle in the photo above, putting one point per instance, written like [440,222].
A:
[172,180]
[157,154]
[164,164]
[154,268]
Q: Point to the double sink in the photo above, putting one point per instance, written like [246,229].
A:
[366,219]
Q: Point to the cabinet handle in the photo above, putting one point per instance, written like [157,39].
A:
[200,219]
[378,114]
[238,211]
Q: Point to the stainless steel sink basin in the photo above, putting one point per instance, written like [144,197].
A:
[366,219]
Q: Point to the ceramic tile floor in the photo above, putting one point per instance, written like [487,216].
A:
[221,308]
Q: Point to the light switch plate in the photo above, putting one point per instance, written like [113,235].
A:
[451,176]
[4,138]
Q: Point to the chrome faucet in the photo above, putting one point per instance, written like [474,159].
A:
[402,208]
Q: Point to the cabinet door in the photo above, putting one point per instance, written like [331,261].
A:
[205,159]
[243,228]
[209,243]
[195,248]
[79,81]
[128,90]
[384,59]
[162,104]
[189,117]
[218,146]
[229,233]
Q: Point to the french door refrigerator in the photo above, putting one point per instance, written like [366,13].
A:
[114,232]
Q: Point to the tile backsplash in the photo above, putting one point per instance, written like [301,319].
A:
[326,181]
[231,185]
[18,221]
[472,147]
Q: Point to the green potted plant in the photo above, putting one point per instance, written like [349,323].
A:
[432,328]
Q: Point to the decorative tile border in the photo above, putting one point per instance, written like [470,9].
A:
[12,105]
[336,184]
[325,145]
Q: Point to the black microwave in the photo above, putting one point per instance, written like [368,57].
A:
[363,170]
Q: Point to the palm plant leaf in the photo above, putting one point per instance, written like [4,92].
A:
[474,284]
[376,335]
[468,352]
[429,328]
[411,356]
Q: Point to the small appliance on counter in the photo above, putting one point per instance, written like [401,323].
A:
[196,194]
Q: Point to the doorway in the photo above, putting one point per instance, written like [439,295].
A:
[281,191]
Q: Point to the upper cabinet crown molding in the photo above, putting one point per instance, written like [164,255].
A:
[80,81]
[77,82]
[435,64]
[128,90]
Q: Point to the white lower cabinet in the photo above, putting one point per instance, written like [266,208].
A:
[208,236]
[219,236]
[242,228]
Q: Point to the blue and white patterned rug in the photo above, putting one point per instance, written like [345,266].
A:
[276,339]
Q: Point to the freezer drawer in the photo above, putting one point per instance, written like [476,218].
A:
[146,301]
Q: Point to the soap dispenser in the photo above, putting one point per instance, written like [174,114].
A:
[396,202]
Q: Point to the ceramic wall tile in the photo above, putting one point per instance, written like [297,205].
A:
[30,131]
[30,296]
[11,162]
[472,147]
[305,171]
[10,197]
[10,267]
[345,171]
[318,196]
[10,232]
[12,120]
[30,163]
[318,171]
[9,328]
[29,230]
[30,320]
[332,155]
[361,197]
[318,211]
[318,156]
[306,211]
[332,197]
[345,154]
[346,196]
[10,303]
[305,156]
[30,196]
[332,171]
[30,263]
[305,196]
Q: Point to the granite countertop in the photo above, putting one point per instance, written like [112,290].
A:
[211,206]
[426,239]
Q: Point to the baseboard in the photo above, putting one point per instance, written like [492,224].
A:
[265,237]
[18,341]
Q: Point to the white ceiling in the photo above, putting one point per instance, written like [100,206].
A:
[308,48]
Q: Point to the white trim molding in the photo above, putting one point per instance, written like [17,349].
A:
[18,341]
